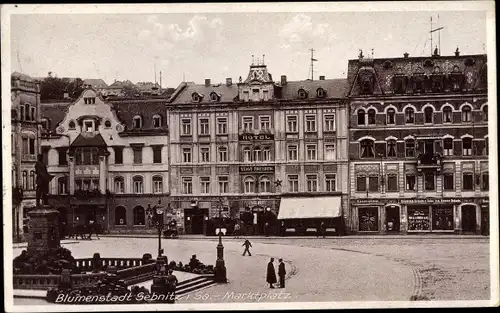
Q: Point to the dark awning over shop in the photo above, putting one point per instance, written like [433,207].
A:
[317,207]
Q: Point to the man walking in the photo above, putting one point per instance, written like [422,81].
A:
[271,274]
[281,273]
[247,245]
[237,230]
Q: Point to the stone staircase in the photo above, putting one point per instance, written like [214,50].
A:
[193,284]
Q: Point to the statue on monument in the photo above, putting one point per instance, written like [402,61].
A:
[43,179]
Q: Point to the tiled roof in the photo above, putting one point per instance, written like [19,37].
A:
[335,88]
[54,112]
[95,82]
[126,110]
[94,141]
[185,91]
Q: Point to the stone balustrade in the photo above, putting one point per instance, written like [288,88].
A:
[36,281]
[120,263]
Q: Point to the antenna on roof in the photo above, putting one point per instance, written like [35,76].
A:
[252,59]
[155,71]
[312,63]
[437,51]
[263,58]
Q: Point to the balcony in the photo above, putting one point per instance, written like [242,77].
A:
[429,162]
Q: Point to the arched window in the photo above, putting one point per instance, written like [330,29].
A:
[247,154]
[257,154]
[428,115]
[157,184]
[138,184]
[448,146]
[367,149]
[361,117]
[137,122]
[25,180]
[156,121]
[107,124]
[391,116]
[410,148]
[320,92]
[466,114]
[391,148]
[302,93]
[214,97]
[139,215]
[21,115]
[467,146]
[447,115]
[62,185]
[120,216]
[32,180]
[266,154]
[371,116]
[409,116]
[71,125]
[265,184]
[249,184]
[485,113]
[119,184]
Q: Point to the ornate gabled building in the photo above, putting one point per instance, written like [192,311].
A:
[419,144]
[260,145]
[110,161]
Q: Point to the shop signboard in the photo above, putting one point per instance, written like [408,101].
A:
[252,137]
[256,169]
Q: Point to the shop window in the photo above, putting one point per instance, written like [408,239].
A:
[467,181]
[373,182]
[429,181]
[467,146]
[120,216]
[367,149]
[391,116]
[410,181]
[138,184]
[157,184]
[187,185]
[448,146]
[249,184]
[371,116]
[391,148]
[410,148]
[392,182]
[368,218]
[448,181]
[409,116]
[447,115]
[442,218]
[485,181]
[330,182]
[428,115]
[361,183]
[119,184]
[312,182]
[418,219]
[361,117]
[293,183]
[139,216]
[264,184]
[466,114]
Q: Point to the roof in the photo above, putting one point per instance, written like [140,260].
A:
[94,141]
[127,110]
[22,76]
[54,112]
[335,88]
[184,92]
[95,82]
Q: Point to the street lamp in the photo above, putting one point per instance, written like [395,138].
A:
[156,214]
[220,267]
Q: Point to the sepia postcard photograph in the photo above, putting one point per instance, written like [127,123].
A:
[249,156]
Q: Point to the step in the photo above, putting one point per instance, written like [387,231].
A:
[191,282]
[196,287]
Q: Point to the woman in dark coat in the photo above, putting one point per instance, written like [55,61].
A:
[271,274]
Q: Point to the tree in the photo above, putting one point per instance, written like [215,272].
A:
[130,90]
[54,88]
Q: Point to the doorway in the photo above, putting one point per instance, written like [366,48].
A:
[469,218]
[194,220]
[392,218]
[429,147]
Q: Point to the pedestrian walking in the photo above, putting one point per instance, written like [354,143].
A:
[271,274]
[322,229]
[91,229]
[247,245]
[281,273]
[237,230]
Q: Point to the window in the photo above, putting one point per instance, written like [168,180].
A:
[88,126]
[119,184]
[118,155]
[186,155]
[205,185]
[311,152]
[214,97]
[409,116]
[320,92]
[27,113]
[32,150]
[249,184]
[205,154]
[291,124]
[45,124]
[410,148]
[265,122]
[391,148]
[467,146]
[255,94]
[204,128]
[248,123]
[310,123]
[448,146]
[265,184]
[266,94]
[293,183]
[467,181]
[62,157]
[429,181]
[266,154]
[138,184]
[312,182]
[245,95]
[223,184]
[329,152]
[195,97]
[62,186]
[25,146]
[485,183]
[107,124]
[371,117]
[89,100]
[157,121]
[361,183]
[302,94]
[137,155]
[186,126]
[428,115]
[187,185]
[447,115]
[410,181]
[157,154]
[373,183]
[139,215]
[392,182]
[221,125]
[157,184]
[391,116]
[22,112]
[485,113]
[448,181]
[86,156]
[33,114]
[330,182]
[361,117]
[120,216]
[25,180]
[367,149]
[292,153]
[71,125]
[257,155]
[329,123]
[247,154]
[466,114]
[137,122]
[223,154]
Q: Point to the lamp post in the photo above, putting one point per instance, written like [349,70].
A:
[220,267]
[156,214]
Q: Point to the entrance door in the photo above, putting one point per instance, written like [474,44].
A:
[197,224]
[392,219]
[468,218]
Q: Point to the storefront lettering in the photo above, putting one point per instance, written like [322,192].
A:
[259,169]
[251,137]
[409,201]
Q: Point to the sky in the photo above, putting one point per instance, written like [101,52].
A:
[219,45]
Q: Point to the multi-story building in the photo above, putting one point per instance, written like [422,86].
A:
[419,144]
[25,142]
[110,161]
[258,143]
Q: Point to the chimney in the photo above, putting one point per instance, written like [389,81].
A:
[207,82]
[229,81]
[283,79]
[322,78]
[406,54]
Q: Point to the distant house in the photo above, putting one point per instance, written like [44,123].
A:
[96,83]
[148,88]
[116,88]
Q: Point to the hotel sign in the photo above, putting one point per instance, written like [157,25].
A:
[256,169]
[252,137]
[409,201]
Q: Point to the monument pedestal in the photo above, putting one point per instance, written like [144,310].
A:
[43,234]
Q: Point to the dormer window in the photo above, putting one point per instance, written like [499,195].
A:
[107,124]
[88,126]
[89,100]
[320,93]
[157,121]
[196,97]
[302,94]
[214,97]
[137,122]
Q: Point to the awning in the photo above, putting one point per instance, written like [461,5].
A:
[317,207]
